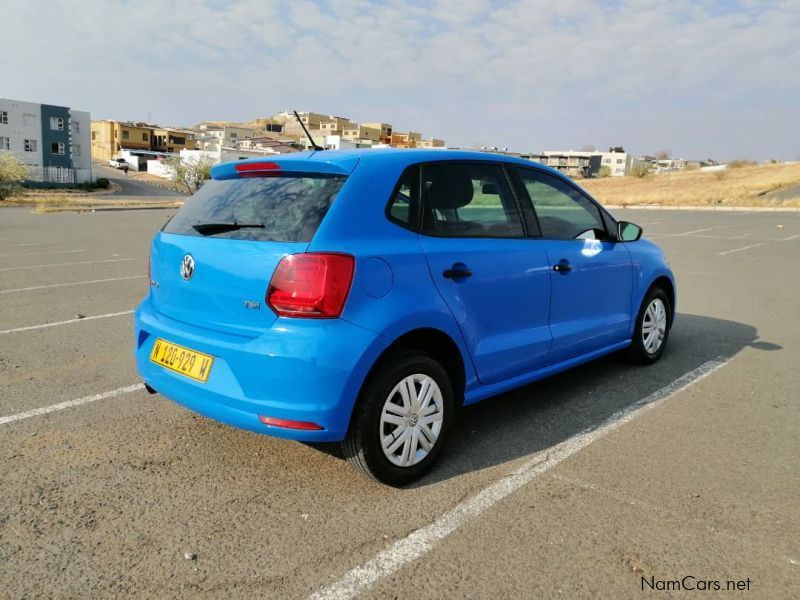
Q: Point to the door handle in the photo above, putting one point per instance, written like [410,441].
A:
[454,273]
[562,267]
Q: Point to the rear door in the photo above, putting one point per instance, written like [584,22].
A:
[494,278]
[212,262]
[591,275]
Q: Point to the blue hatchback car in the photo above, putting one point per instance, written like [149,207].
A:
[364,296]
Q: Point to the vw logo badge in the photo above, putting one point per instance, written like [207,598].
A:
[187,267]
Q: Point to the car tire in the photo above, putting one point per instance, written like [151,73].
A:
[653,324]
[385,412]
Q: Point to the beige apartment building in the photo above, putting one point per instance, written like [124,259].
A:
[362,132]
[431,143]
[406,140]
[385,131]
[109,138]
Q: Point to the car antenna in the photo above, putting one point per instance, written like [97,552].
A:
[303,125]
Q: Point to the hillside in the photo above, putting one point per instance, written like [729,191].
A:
[741,186]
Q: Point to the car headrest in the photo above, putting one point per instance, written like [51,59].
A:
[451,187]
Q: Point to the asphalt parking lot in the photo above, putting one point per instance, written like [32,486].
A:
[106,496]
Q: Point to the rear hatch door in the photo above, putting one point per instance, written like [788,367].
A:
[212,262]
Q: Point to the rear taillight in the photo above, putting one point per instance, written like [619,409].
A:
[313,285]
[287,424]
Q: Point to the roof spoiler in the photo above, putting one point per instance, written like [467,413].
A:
[266,167]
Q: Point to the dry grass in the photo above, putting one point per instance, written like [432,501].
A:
[743,186]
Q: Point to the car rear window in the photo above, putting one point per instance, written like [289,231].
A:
[289,207]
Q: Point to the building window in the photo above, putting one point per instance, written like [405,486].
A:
[75,127]
[5,143]
[57,148]
[56,124]
[94,135]
[75,150]
[620,161]
[145,137]
[126,134]
[3,117]
[116,134]
[28,120]
[30,145]
[178,140]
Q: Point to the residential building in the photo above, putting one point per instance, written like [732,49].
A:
[405,140]
[572,163]
[52,140]
[618,161]
[385,129]
[171,140]
[362,132]
[110,137]
[431,143]
[214,138]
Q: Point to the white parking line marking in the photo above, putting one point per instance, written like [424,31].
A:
[423,540]
[67,322]
[685,233]
[40,253]
[56,285]
[70,403]
[68,264]
[786,239]
[742,248]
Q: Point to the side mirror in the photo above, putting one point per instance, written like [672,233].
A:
[490,188]
[628,232]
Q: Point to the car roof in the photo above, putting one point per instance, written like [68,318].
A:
[344,161]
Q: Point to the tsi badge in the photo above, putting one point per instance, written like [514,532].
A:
[187,267]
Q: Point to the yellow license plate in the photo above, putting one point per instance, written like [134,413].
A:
[182,360]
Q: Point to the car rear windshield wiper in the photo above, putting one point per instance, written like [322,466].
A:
[211,228]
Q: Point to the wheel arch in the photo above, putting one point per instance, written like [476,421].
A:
[666,284]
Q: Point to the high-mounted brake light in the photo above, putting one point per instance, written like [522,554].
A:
[312,285]
[258,169]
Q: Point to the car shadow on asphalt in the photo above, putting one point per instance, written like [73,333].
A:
[543,414]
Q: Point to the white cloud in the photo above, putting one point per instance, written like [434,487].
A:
[526,74]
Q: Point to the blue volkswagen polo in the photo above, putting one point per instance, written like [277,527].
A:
[364,296]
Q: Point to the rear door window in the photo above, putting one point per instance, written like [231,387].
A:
[288,208]
[468,200]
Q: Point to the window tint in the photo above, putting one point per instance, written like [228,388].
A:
[403,207]
[290,207]
[563,212]
[469,200]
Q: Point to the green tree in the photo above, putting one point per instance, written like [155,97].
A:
[640,169]
[191,172]
[12,173]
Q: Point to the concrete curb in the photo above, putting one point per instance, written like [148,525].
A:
[82,209]
[704,208]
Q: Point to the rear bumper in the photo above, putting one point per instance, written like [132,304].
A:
[299,370]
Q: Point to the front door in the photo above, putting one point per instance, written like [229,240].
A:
[591,275]
[494,279]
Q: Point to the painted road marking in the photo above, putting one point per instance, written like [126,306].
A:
[70,403]
[685,233]
[786,239]
[68,264]
[423,540]
[39,253]
[67,322]
[56,285]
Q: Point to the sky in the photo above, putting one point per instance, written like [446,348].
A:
[700,78]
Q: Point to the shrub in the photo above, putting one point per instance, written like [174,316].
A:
[605,171]
[102,183]
[12,173]
[737,164]
[640,170]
